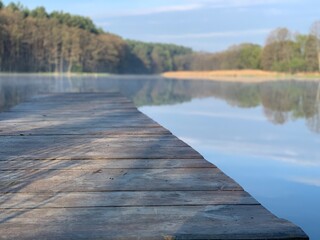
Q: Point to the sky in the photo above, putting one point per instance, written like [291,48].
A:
[204,25]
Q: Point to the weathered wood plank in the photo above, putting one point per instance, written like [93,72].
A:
[177,222]
[83,122]
[42,115]
[65,140]
[188,179]
[74,99]
[93,102]
[86,131]
[44,142]
[96,165]
[84,147]
[73,96]
[30,118]
[124,199]
[79,129]
[83,152]
[67,107]
[21,117]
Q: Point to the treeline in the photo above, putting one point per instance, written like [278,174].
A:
[37,41]
[283,52]
[153,57]
[244,56]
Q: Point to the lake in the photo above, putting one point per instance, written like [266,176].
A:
[266,136]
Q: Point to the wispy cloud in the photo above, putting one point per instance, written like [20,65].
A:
[243,147]
[237,3]
[307,181]
[224,115]
[150,11]
[180,6]
[251,32]
[177,8]
[274,11]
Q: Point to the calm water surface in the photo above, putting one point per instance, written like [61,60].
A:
[266,136]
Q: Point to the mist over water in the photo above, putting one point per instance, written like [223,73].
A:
[281,102]
[263,135]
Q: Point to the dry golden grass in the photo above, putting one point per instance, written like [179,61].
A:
[241,75]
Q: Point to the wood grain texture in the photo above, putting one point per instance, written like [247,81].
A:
[204,179]
[94,165]
[91,166]
[124,199]
[177,222]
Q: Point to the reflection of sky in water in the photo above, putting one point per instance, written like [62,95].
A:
[277,164]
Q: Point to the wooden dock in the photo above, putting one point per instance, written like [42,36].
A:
[91,166]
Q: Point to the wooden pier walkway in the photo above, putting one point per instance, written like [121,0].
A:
[91,166]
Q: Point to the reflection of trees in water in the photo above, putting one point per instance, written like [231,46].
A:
[18,88]
[314,121]
[276,117]
[289,101]
[13,93]
[281,101]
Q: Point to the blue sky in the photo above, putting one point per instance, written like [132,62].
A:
[205,25]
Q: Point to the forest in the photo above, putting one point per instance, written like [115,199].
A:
[283,51]
[38,41]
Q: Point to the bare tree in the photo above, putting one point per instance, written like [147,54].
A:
[279,35]
[315,31]
[279,51]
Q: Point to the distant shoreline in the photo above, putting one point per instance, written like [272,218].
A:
[248,76]
[72,74]
[244,76]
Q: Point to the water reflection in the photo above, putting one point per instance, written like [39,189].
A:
[281,101]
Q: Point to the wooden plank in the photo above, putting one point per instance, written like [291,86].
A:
[74,103]
[25,143]
[30,117]
[70,128]
[62,140]
[99,120]
[70,125]
[94,145]
[72,111]
[56,97]
[44,116]
[57,100]
[72,107]
[73,96]
[131,153]
[124,199]
[83,152]
[23,118]
[97,165]
[93,131]
[177,222]
[188,179]
[71,147]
